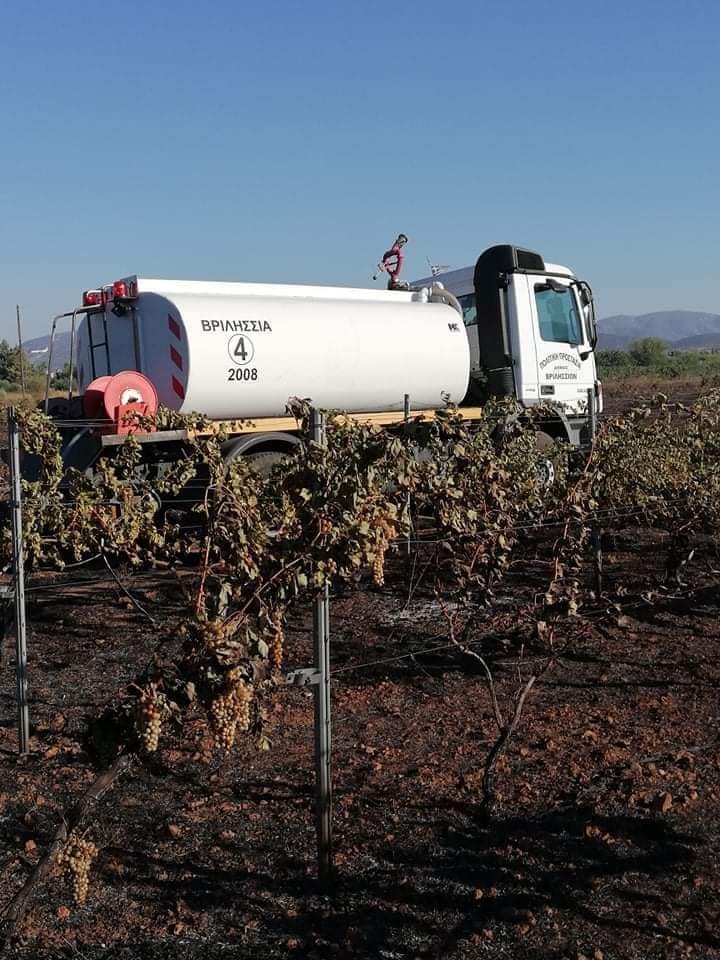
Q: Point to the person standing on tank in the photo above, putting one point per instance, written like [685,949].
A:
[392,262]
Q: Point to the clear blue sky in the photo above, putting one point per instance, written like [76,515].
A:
[291,141]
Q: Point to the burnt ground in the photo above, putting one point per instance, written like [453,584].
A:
[605,842]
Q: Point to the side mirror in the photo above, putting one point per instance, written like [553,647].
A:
[592,325]
[586,299]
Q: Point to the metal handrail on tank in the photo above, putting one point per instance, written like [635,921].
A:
[53,329]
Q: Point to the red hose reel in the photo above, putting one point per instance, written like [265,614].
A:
[113,398]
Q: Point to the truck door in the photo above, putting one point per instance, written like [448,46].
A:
[469,309]
[564,368]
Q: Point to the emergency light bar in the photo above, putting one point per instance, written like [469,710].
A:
[118,290]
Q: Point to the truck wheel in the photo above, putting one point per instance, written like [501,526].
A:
[544,442]
[545,446]
[264,461]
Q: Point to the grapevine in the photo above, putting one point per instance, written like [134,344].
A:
[330,515]
[333,512]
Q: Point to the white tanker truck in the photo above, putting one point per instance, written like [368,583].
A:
[237,352]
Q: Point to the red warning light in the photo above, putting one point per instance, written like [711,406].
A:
[124,289]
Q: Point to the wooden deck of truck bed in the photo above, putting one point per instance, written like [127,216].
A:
[384,418]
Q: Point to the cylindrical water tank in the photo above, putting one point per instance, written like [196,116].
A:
[231,350]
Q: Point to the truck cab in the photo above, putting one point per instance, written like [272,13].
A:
[532,334]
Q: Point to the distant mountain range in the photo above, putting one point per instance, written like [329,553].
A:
[680,329]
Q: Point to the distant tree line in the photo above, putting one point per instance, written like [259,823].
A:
[649,355]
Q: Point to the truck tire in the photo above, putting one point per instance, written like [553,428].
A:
[551,458]
[544,442]
[264,461]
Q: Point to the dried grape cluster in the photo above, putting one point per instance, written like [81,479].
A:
[212,633]
[385,533]
[150,711]
[275,653]
[76,859]
[230,711]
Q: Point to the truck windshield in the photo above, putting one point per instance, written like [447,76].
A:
[557,315]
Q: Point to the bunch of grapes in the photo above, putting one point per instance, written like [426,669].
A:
[230,712]
[378,569]
[276,646]
[76,859]
[386,532]
[149,717]
[212,633]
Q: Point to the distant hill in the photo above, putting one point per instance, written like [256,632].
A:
[37,350]
[703,341]
[671,325]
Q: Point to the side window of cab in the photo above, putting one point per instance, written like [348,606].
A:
[469,309]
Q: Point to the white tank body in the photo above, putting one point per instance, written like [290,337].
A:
[232,350]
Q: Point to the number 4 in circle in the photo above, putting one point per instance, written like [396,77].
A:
[241,349]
